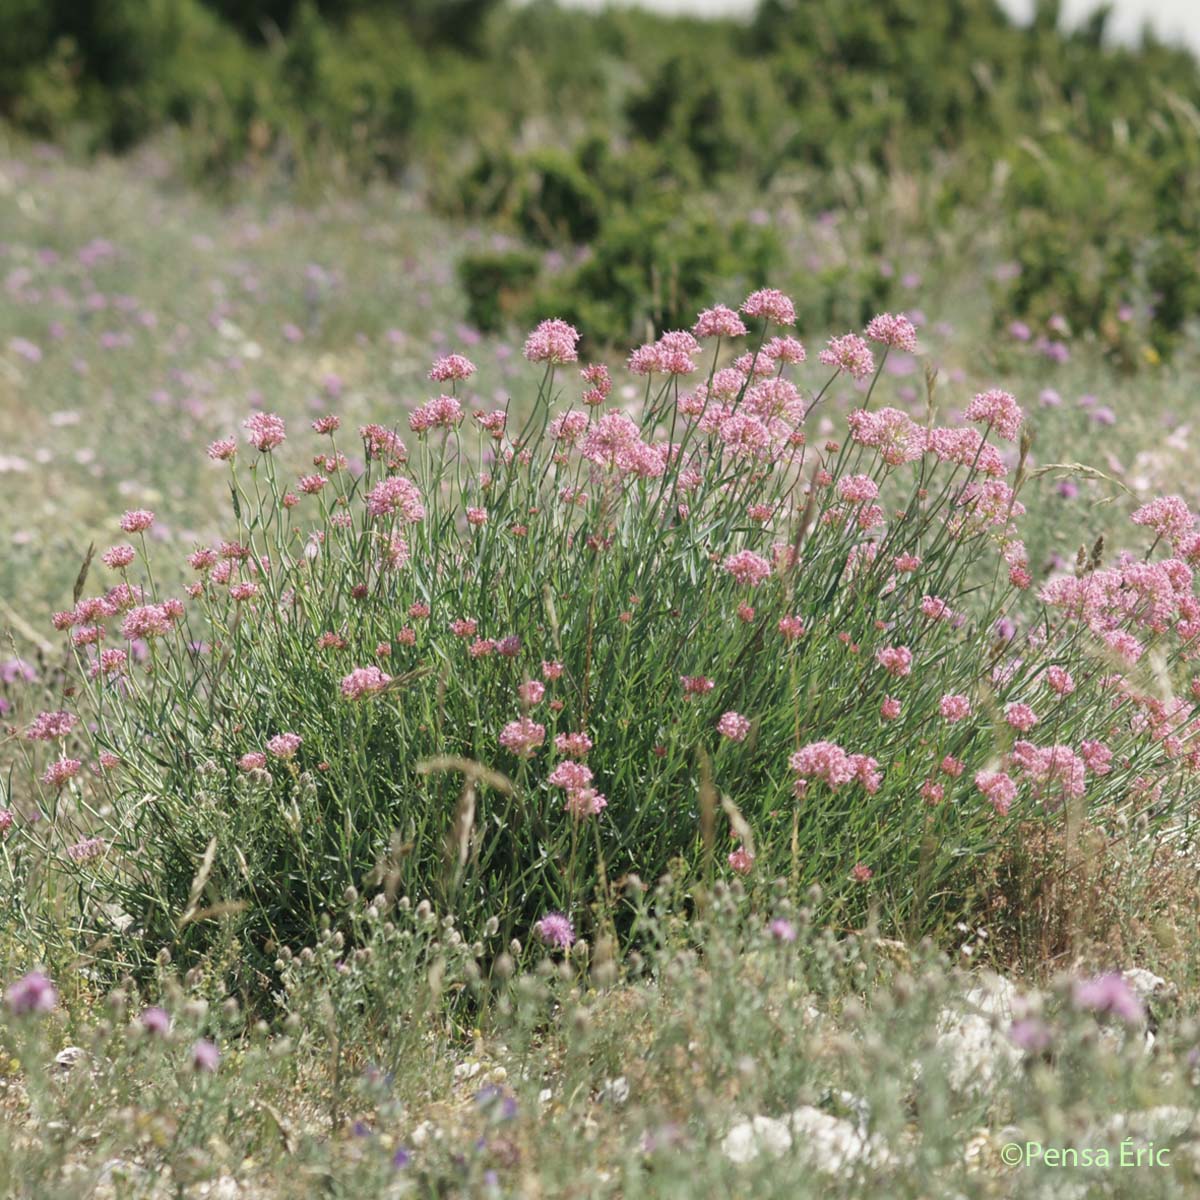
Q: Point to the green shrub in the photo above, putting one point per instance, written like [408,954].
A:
[496,283]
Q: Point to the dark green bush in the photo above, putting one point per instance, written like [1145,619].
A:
[496,283]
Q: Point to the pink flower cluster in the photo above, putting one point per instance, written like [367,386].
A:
[443,412]
[451,367]
[747,568]
[396,494]
[828,763]
[553,341]
[364,681]
[849,353]
[265,431]
[522,737]
[894,331]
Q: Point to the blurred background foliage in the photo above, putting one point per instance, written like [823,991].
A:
[623,141]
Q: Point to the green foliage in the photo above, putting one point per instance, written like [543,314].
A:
[1085,156]
[649,268]
[496,284]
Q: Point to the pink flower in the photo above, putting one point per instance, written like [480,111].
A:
[118,557]
[205,1056]
[1020,716]
[786,350]
[596,374]
[889,710]
[570,775]
[951,766]
[395,495]
[254,761]
[222,450]
[50,726]
[771,304]
[897,437]
[265,430]
[611,436]
[696,685]
[477,516]
[148,621]
[999,410]
[464,627]
[894,331]
[553,341]
[552,670]
[954,707]
[329,424]
[137,520]
[364,681]
[451,366]
[555,929]
[1168,516]
[906,563]
[1110,994]
[61,771]
[741,860]
[936,608]
[826,761]
[32,993]
[585,802]
[861,873]
[1060,681]
[1097,756]
[858,489]
[284,745]
[718,321]
[932,793]
[573,745]
[999,789]
[747,567]
[569,427]
[442,412]
[849,353]
[381,444]
[734,726]
[896,660]
[531,691]
[791,627]
[243,591]
[966,448]
[522,737]
[310,485]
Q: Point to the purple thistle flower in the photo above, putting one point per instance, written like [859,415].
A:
[555,929]
[1031,1035]
[155,1020]
[205,1056]
[1109,994]
[34,993]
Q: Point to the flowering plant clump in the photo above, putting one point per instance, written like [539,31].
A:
[394,673]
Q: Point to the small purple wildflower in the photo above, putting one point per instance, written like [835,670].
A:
[1109,994]
[205,1056]
[1031,1035]
[555,929]
[156,1021]
[33,993]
